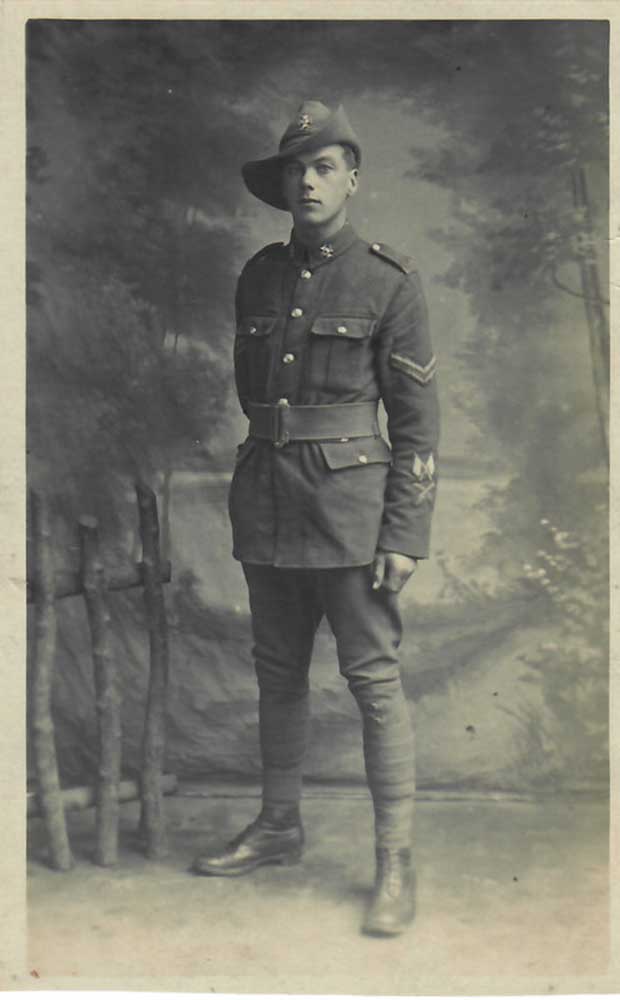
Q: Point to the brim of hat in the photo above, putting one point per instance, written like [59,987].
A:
[263,178]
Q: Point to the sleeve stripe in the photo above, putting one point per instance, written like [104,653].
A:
[420,373]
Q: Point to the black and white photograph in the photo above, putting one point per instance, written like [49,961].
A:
[317,405]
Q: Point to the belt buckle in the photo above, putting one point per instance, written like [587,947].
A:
[280,436]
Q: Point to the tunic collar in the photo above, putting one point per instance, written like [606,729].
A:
[324,251]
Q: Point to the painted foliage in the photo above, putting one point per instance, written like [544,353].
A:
[485,159]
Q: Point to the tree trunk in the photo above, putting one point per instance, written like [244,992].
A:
[107,693]
[595,313]
[46,766]
[152,822]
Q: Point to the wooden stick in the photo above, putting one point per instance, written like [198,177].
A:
[152,822]
[70,584]
[46,765]
[107,693]
[84,796]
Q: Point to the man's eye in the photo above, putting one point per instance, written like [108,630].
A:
[323,168]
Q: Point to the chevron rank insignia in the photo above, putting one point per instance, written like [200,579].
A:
[419,373]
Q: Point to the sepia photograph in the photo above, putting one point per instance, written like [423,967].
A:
[317,446]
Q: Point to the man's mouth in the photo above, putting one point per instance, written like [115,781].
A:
[309,201]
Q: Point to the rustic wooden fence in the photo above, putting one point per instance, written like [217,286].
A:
[44,590]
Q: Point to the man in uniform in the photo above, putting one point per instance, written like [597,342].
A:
[327,518]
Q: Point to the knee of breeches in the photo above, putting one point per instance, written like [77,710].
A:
[376,698]
[281,684]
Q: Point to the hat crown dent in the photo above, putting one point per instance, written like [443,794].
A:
[314,118]
[310,116]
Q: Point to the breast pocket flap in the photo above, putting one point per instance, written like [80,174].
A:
[350,328]
[256,326]
[356,452]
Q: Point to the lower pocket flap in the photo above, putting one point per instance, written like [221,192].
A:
[355,452]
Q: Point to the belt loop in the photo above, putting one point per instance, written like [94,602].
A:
[280,435]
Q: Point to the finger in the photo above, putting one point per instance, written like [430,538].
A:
[391,577]
[378,571]
[396,576]
[393,582]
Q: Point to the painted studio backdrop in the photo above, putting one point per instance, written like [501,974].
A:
[484,158]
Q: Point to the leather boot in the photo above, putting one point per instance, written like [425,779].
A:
[392,906]
[275,837]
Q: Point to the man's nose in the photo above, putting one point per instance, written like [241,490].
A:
[307,179]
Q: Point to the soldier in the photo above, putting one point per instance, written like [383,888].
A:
[328,519]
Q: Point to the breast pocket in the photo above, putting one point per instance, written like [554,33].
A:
[340,352]
[253,349]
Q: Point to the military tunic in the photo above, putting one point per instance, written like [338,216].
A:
[345,322]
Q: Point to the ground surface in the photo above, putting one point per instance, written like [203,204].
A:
[508,889]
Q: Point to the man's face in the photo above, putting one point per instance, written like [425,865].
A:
[316,186]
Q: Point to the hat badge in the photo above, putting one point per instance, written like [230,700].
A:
[305,121]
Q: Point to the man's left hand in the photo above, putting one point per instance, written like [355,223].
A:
[391,570]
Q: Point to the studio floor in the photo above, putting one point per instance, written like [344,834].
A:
[510,893]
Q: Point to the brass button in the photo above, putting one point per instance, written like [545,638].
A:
[288,359]
[252,329]
[306,274]
[283,401]
[296,312]
[376,246]
[344,440]
[363,459]
[341,329]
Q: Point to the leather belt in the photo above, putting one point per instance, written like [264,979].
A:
[283,423]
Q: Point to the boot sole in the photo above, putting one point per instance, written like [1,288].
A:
[383,932]
[285,860]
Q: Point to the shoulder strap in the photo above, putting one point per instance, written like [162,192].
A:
[265,251]
[399,260]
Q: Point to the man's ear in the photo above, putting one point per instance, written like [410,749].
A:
[353,182]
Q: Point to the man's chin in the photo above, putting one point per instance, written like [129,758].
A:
[308,210]
[309,219]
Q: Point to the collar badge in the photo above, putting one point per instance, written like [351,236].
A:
[304,121]
[327,250]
